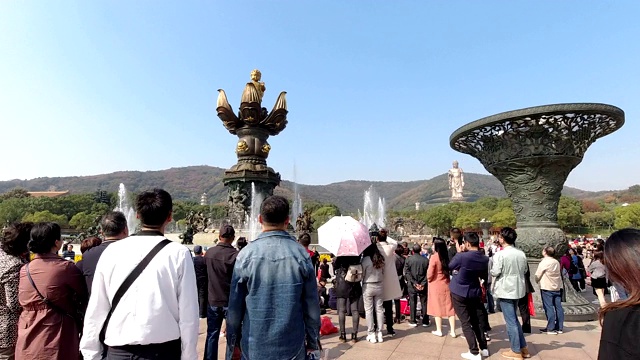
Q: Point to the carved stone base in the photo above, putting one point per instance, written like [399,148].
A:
[532,240]
[239,185]
[577,308]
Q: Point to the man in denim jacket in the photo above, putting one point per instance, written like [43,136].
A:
[274,311]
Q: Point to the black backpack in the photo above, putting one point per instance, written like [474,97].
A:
[573,269]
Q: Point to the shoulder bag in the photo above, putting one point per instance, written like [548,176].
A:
[128,281]
[354,273]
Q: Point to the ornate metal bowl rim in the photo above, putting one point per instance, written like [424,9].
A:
[553,109]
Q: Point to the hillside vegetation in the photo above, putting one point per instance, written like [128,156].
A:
[188,183]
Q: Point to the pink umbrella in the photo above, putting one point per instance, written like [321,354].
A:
[344,236]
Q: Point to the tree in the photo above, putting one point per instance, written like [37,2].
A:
[83,220]
[569,213]
[14,209]
[504,217]
[17,193]
[627,216]
[45,216]
[439,218]
[323,214]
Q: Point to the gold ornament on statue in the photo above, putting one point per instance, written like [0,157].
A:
[266,148]
[242,146]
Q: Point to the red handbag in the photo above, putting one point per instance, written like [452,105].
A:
[532,309]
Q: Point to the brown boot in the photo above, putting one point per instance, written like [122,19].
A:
[511,355]
[525,352]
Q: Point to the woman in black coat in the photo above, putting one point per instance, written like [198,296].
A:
[348,294]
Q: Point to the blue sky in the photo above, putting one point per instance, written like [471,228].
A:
[375,88]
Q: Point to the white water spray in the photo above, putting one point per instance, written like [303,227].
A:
[254,225]
[124,206]
[374,209]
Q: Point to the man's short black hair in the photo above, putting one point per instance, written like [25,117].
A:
[472,238]
[274,210]
[304,240]
[154,207]
[509,235]
[113,223]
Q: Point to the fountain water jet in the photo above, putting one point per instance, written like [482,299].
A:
[374,209]
[254,225]
[124,206]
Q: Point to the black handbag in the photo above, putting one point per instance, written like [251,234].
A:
[563,291]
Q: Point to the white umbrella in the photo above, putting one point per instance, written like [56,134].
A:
[344,236]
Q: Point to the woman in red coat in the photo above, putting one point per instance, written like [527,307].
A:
[439,303]
[49,329]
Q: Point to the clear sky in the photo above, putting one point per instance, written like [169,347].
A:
[375,88]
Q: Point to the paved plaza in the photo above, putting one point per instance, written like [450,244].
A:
[579,342]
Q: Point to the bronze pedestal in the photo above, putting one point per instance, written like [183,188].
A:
[532,151]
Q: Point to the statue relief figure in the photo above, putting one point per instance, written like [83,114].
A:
[456,181]
[256,75]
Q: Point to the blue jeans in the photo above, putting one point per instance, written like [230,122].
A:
[551,300]
[215,315]
[514,329]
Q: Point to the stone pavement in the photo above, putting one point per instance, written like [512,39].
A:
[579,342]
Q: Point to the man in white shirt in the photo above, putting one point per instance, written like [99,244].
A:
[157,317]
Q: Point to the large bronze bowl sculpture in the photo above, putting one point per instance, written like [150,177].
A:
[532,151]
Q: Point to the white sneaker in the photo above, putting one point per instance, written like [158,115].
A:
[371,338]
[468,355]
[484,352]
[437,333]
[379,338]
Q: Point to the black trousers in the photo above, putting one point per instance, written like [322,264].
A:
[467,310]
[170,350]
[413,304]
[203,300]
[396,302]
[388,314]
[523,306]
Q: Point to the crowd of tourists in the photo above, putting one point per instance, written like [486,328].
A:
[140,296]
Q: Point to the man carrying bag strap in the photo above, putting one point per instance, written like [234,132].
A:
[127,283]
[144,302]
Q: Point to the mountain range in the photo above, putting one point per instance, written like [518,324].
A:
[188,183]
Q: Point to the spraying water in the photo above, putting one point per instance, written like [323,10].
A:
[374,209]
[296,208]
[124,206]
[254,225]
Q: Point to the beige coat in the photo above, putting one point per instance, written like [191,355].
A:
[391,283]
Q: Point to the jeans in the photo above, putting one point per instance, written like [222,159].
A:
[551,300]
[413,305]
[514,330]
[170,350]
[468,311]
[215,315]
[621,291]
[490,303]
[372,294]
[396,302]
[342,314]
[7,353]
